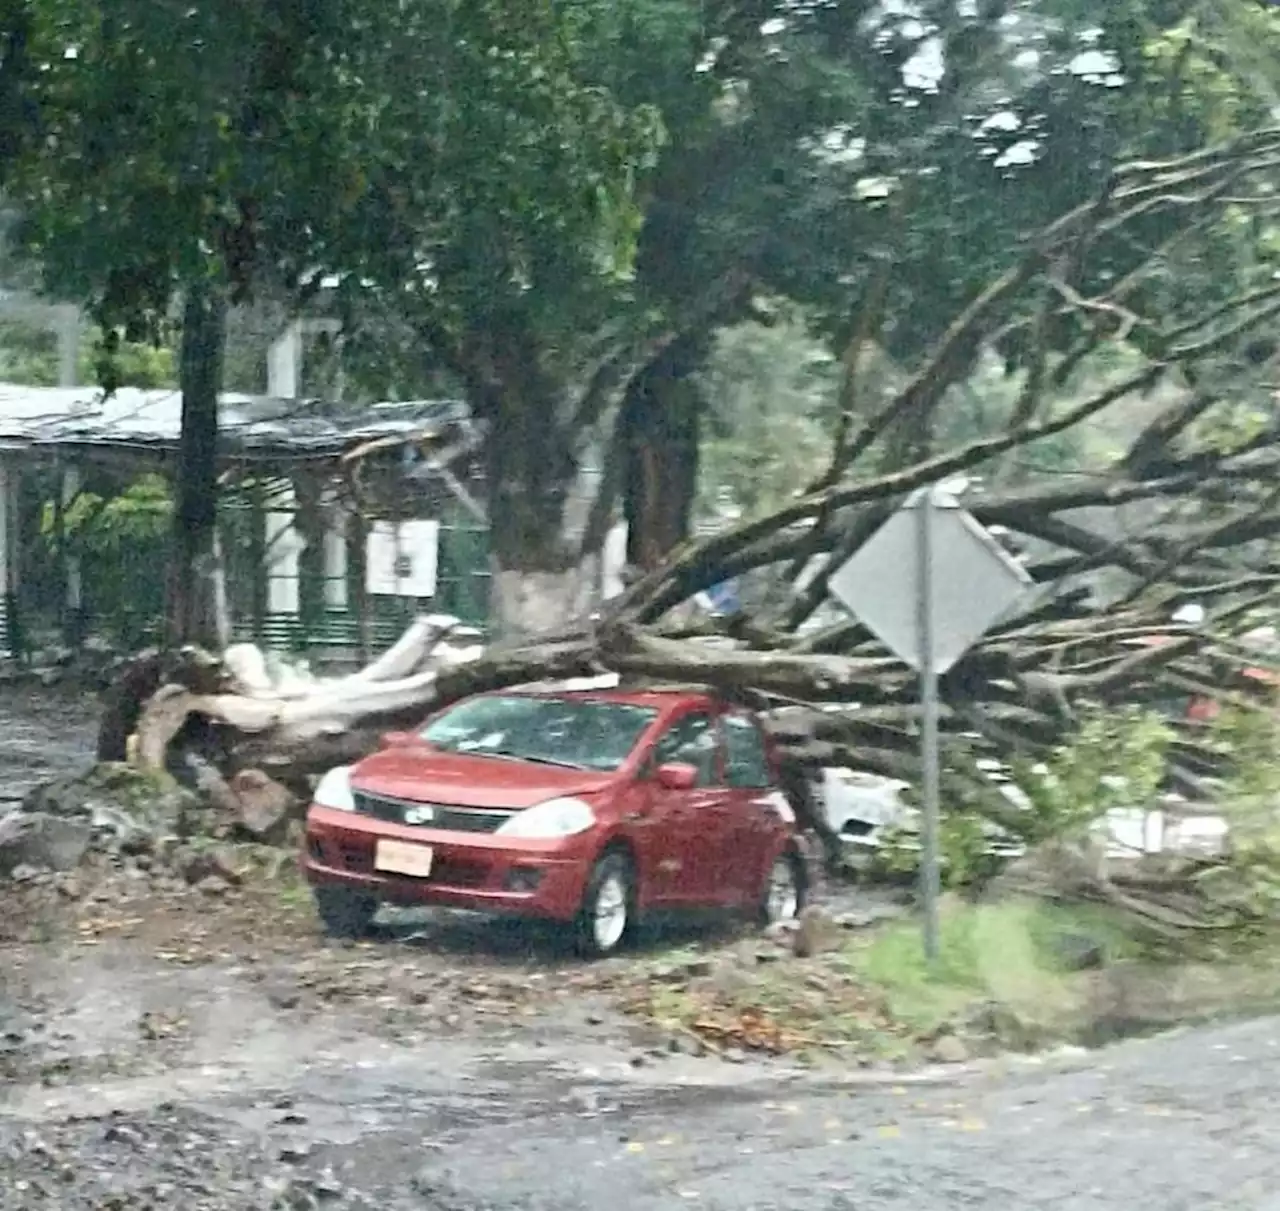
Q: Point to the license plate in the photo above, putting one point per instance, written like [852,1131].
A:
[404,858]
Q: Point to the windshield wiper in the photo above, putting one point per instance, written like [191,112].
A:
[502,752]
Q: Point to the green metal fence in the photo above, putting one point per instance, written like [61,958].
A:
[462,589]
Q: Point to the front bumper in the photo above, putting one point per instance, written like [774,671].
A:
[481,872]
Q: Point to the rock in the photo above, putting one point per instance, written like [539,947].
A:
[128,810]
[855,920]
[697,967]
[283,997]
[265,808]
[950,1049]
[729,981]
[199,866]
[42,840]
[999,1023]
[817,933]
[1078,952]
[212,886]
[203,776]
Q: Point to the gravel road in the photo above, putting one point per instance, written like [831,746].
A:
[252,1103]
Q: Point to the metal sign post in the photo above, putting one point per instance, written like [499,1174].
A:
[930,760]
[928,584]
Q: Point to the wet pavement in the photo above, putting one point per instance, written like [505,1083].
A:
[201,1088]
[222,1058]
[43,733]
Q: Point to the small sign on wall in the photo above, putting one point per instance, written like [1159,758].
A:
[401,559]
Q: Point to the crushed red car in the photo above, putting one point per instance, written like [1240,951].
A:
[590,808]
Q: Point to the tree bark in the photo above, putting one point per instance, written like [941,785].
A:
[538,499]
[661,422]
[196,614]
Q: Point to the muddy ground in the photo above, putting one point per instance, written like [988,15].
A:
[168,1047]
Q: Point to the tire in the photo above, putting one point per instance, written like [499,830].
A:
[786,890]
[344,913]
[607,919]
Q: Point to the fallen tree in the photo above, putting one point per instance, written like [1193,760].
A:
[1095,281]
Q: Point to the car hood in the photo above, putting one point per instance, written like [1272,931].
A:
[424,775]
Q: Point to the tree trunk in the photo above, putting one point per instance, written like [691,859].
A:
[357,538]
[661,422]
[539,500]
[195,613]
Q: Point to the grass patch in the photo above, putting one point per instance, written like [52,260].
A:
[1019,955]
[1007,973]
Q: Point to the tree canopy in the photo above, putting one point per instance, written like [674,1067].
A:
[561,204]
[178,142]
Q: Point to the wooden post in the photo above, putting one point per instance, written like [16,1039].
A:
[11,565]
[258,559]
[8,645]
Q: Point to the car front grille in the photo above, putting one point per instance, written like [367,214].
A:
[444,816]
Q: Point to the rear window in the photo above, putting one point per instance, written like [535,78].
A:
[577,733]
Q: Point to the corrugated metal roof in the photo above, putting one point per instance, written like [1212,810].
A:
[251,426]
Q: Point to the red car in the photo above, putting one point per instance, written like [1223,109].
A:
[584,807]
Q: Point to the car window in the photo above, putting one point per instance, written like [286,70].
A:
[691,740]
[746,764]
[579,733]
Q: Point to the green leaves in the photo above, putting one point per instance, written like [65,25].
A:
[1115,760]
[435,147]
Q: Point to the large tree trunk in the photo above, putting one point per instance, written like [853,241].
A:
[196,606]
[660,429]
[539,501]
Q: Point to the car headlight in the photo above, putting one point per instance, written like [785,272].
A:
[334,790]
[554,818]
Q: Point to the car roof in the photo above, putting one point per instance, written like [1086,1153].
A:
[660,698]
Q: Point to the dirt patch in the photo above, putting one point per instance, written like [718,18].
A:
[441,975]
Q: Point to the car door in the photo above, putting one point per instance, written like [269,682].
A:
[678,833]
[754,821]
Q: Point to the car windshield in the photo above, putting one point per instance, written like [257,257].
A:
[577,733]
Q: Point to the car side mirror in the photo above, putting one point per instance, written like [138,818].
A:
[399,740]
[677,776]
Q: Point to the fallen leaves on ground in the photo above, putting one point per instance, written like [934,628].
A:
[752,1030]
[752,999]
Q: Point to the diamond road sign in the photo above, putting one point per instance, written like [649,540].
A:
[973,581]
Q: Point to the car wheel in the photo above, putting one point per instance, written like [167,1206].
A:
[343,912]
[785,890]
[607,916]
